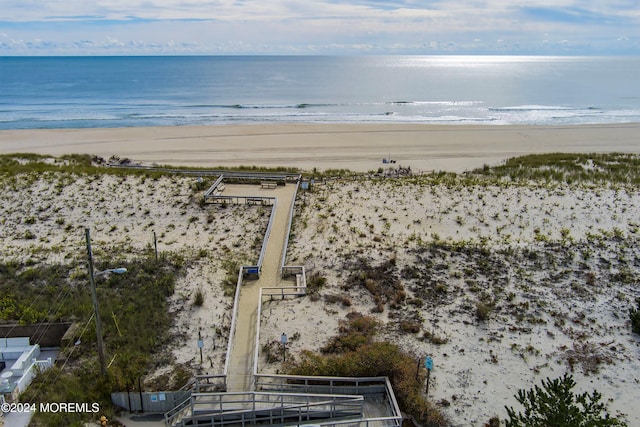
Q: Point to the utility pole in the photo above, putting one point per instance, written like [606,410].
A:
[96,308]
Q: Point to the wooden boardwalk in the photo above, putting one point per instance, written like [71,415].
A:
[240,375]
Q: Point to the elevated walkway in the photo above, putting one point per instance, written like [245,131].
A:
[255,399]
[240,374]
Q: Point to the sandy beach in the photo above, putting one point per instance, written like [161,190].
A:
[557,264]
[359,147]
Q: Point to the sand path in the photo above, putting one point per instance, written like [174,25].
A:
[240,376]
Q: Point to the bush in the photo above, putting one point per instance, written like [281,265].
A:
[355,354]
[198,299]
[357,331]
[315,283]
[483,311]
[555,405]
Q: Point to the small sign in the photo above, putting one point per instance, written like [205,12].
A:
[154,397]
[428,363]
[162,397]
[200,344]
[283,339]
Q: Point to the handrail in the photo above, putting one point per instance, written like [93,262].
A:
[284,291]
[286,239]
[257,343]
[392,398]
[394,421]
[214,186]
[170,415]
[232,329]
[263,250]
[328,379]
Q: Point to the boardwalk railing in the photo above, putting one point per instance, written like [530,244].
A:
[263,250]
[365,386]
[247,200]
[234,319]
[286,239]
[254,408]
[213,188]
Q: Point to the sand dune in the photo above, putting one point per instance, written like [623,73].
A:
[558,263]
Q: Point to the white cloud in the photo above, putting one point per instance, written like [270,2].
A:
[280,26]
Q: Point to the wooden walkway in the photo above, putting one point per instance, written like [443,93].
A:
[240,375]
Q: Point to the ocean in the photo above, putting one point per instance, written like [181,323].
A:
[92,92]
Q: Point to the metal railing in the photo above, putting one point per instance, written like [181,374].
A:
[320,384]
[286,239]
[263,250]
[213,187]
[365,422]
[293,291]
[234,319]
[251,408]
[364,386]
[248,200]
[210,383]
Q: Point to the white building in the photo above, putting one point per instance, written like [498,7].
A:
[21,364]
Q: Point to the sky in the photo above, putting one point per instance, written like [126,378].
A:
[328,27]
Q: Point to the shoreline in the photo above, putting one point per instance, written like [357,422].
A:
[358,147]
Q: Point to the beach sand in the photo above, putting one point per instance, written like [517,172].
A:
[359,147]
[547,309]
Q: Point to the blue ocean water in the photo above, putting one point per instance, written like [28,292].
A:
[82,92]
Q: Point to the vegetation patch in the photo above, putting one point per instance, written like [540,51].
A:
[555,404]
[136,326]
[354,354]
[381,281]
[588,168]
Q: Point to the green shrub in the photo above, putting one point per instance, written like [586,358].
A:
[353,353]
[315,283]
[555,405]
[357,331]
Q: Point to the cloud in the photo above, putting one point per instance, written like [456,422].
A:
[313,26]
